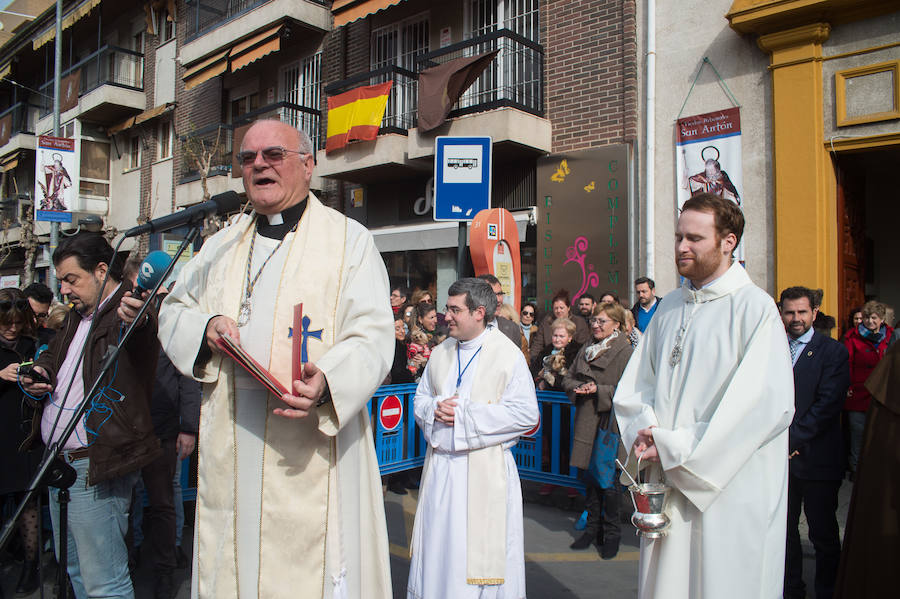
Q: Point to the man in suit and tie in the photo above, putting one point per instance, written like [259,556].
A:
[821,378]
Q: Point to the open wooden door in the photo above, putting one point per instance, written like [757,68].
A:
[851,194]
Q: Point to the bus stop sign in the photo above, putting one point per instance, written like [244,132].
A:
[462,177]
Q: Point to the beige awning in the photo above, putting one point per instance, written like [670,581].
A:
[4,70]
[205,70]
[80,11]
[141,118]
[255,48]
[234,58]
[347,11]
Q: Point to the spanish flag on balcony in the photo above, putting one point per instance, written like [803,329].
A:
[356,115]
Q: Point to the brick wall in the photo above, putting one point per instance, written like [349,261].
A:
[196,108]
[590,72]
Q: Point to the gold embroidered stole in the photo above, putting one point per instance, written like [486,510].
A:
[297,457]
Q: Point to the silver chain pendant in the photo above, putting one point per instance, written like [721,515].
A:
[244,314]
[675,358]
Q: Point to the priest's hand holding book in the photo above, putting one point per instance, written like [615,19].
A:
[218,326]
[307,392]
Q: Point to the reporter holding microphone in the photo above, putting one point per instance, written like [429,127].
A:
[115,438]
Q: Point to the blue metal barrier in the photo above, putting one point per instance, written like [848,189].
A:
[402,447]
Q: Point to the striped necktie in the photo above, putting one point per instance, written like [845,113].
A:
[795,347]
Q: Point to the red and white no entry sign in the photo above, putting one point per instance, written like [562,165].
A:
[390,413]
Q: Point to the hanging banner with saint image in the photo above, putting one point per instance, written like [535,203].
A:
[708,158]
[53,176]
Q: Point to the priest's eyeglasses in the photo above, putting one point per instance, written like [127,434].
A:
[272,155]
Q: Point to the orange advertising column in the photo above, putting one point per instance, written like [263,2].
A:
[494,245]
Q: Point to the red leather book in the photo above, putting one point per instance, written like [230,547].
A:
[234,350]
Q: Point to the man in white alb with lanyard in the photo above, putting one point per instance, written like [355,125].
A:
[475,399]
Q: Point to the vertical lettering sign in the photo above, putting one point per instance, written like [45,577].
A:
[582,241]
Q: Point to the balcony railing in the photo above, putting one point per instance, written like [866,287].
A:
[400,113]
[206,15]
[23,118]
[217,140]
[107,66]
[214,141]
[514,78]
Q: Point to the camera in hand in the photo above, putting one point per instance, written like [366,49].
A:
[29,371]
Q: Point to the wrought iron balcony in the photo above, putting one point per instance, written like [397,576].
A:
[402,104]
[205,15]
[213,142]
[109,65]
[22,118]
[515,78]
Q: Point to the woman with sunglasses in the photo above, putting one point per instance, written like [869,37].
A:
[18,456]
[526,320]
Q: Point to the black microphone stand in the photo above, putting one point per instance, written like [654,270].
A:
[53,471]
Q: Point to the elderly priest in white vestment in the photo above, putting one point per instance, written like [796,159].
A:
[708,397]
[289,499]
[475,398]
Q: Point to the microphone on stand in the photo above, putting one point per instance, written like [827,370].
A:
[223,203]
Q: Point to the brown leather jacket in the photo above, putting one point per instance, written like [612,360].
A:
[125,439]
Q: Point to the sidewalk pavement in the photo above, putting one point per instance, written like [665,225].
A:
[551,568]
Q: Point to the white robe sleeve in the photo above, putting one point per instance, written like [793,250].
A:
[363,348]
[183,317]
[757,405]
[478,425]
[424,404]
[636,393]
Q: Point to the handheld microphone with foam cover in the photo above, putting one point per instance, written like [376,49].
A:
[151,271]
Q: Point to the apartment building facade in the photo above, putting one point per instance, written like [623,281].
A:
[167,87]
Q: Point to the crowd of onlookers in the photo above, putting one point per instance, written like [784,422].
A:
[29,321]
[580,347]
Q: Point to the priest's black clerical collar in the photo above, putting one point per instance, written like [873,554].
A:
[276,226]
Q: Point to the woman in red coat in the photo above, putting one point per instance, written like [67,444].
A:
[867,344]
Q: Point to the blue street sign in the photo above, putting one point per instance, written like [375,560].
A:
[462,177]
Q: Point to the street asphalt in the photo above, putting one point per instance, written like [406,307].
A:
[552,569]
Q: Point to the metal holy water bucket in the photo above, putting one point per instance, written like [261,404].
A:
[650,501]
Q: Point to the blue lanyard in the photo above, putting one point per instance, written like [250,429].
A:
[459,373]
